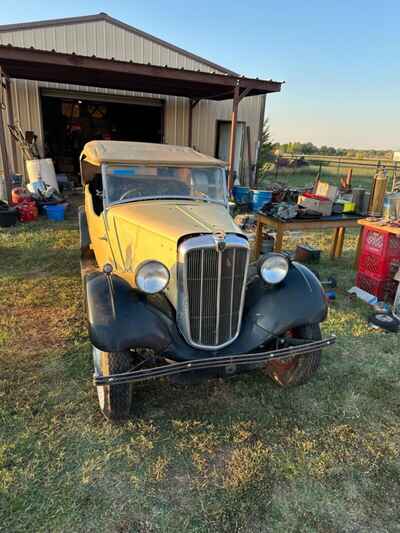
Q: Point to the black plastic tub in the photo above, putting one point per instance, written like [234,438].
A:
[8,215]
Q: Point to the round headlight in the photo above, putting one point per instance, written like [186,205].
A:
[274,268]
[152,277]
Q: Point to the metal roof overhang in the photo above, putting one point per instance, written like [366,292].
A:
[51,66]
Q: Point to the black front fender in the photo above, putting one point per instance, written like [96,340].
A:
[129,319]
[297,301]
[120,317]
[270,311]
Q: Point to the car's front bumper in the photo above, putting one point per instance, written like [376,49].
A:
[215,362]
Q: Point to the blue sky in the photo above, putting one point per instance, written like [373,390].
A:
[340,59]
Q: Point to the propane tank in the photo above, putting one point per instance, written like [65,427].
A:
[375,208]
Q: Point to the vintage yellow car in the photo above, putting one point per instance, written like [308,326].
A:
[167,283]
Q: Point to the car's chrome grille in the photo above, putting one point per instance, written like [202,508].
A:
[213,291]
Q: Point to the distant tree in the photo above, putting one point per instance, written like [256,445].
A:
[309,148]
[295,147]
[267,144]
[266,152]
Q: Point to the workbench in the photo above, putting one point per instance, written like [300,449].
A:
[394,230]
[337,222]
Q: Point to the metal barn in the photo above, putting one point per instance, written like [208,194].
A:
[186,100]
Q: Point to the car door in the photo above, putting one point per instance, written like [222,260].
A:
[97,230]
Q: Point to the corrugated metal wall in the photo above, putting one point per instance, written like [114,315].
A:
[107,40]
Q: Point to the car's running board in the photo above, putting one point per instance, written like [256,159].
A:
[212,362]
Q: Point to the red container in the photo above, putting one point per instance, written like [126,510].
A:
[383,289]
[315,197]
[27,211]
[378,266]
[382,243]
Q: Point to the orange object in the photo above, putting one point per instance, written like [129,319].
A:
[19,195]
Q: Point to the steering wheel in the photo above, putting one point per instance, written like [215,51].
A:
[136,192]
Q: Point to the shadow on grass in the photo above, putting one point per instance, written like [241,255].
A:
[40,225]
[41,261]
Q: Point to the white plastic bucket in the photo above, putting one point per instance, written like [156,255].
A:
[42,169]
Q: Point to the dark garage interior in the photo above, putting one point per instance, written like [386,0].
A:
[69,123]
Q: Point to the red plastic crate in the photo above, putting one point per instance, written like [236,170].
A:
[382,243]
[378,266]
[383,289]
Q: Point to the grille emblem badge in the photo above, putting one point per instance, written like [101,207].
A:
[219,238]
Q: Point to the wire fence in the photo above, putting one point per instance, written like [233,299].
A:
[301,170]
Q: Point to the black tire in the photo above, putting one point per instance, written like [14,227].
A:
[300,369]
[385,321]
[114,400]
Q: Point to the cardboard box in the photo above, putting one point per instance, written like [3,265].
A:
[322,200]
[343,206]
[316,203]
[327,190]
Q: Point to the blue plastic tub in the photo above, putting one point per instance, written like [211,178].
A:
[241,194]
[259,199]
[55,212]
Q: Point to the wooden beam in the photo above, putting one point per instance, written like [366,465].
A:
[7,185]
[4,157]
[232,146]
[51,66]
[244,93]
[10,119]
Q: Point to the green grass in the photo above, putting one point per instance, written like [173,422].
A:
[239,455]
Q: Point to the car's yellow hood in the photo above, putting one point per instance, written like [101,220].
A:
[150,230]
[174,219]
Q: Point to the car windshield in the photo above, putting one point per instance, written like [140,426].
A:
[129,183]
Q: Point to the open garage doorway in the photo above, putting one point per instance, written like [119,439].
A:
[72,119]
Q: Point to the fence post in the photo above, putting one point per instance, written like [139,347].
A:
[338,167]
[394,177]
[277,167]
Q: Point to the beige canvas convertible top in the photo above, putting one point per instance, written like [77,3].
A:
[98,152]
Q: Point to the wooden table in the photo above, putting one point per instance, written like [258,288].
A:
[337,222]
[395,230]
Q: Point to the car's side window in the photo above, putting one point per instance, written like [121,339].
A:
[96,191]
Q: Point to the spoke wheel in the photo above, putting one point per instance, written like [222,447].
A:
[298,369]
[114,400]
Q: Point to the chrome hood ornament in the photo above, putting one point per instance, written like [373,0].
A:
[219,238]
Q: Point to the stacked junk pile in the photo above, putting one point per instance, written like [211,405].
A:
[378,275]
[41,195]
[314,202]
[288,203]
